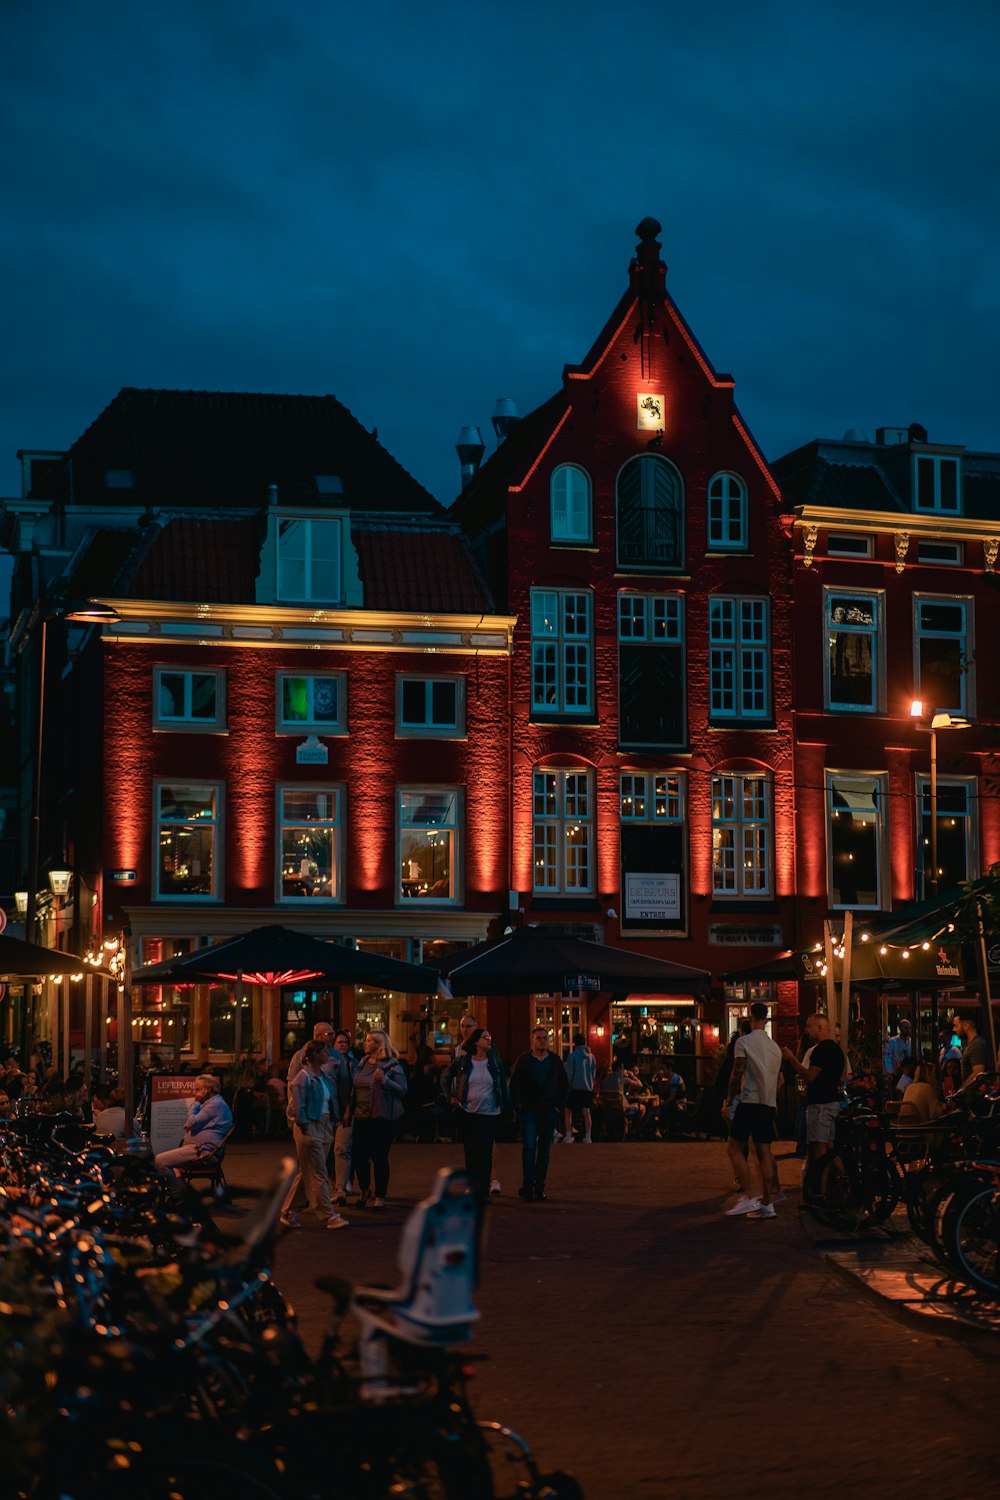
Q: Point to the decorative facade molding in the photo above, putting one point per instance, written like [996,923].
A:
[810,538]
[901,541]
[990,548]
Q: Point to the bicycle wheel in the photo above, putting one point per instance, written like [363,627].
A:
[973,1239]
[963,1183]
[830,1194]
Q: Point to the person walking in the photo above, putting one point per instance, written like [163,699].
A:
[377,1091]
[344,1133]
[479,1088]
[312,1106]
[753,1084]
[466,1026]
[539,1089]
[581,1074]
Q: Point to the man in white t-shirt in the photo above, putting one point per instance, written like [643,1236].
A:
[754,1084]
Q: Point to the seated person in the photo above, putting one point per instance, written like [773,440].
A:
[921,1102]
[907,1073]
[109,1112]
[673,1097]
[209,1119]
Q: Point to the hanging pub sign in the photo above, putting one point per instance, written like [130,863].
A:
[311,752]
[573,982]
[123,877]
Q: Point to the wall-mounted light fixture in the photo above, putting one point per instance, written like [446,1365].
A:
[59,882]
[20,902]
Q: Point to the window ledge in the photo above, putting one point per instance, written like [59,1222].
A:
[745,905]
[587,721]
[768,723]
[565,903]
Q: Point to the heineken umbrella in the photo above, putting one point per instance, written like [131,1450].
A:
[792,964]
[545,960]
[275,956]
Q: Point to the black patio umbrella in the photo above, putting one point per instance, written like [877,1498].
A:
[21,960]
[540,960]
[278,956]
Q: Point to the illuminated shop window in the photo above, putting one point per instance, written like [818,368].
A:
[309,843]
[307,702]
[562,832]
[430,706]
[727,512]
[854,651]
[188,700]
[739,658]
[428,844]
[187,840]
[651,671]
[309,561]
[856,838]
[942,667]
[561,652]
[653,846]
[569,495]
[742,839]
[650,514]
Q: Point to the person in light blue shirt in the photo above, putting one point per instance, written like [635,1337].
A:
[581,1070]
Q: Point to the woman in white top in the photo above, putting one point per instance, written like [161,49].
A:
[480,1089]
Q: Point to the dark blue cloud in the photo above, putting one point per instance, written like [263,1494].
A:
[421,208]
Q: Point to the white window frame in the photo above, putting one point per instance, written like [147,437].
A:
[739,631]
[311,723]
[334,823]
[938,461]
[966,679]
[184,783]
[952,554]
[653,796]
[881,809]
[454,895]
[727,513]
[426,728]
[562,653]
[309,593]
[565,805]
[876,633]
[744,836]
[848,544]
[184,721]
[653,620]
[571,506]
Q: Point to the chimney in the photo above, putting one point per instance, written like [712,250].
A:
[505,417]
[470,449]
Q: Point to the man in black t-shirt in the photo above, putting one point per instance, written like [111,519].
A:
[823,1067]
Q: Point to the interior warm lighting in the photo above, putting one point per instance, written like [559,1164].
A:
[916,709]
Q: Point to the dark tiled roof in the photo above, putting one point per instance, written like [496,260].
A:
[191,560]
[476,505]
[981,493]
[853,486]
[424,566]
[212,449]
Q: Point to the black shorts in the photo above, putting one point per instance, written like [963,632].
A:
[579,1099]
[754,1122]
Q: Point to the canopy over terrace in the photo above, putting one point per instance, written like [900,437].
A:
[23,960]
[540,960]
[275,956]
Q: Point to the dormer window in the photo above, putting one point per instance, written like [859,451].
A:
[118,479]
[309,563]
[937,483]
[329,484]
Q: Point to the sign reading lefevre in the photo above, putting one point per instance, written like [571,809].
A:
[168,1109]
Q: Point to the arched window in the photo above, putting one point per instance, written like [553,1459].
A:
[570,504]
[650,514]
[727,511]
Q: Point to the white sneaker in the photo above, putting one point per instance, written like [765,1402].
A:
[586,1141]
[569,1138]
[743,1206]
[495,1186]
[766,1211]
[337,1221]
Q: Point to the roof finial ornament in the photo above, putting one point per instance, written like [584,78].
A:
[648,229]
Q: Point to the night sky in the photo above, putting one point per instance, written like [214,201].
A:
[421,207]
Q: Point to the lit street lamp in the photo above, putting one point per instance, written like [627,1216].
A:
[938,721]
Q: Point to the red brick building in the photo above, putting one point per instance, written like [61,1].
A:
[634,529]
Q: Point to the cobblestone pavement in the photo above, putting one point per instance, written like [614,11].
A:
[655,1347]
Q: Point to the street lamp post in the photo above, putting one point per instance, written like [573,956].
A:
[938,721]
